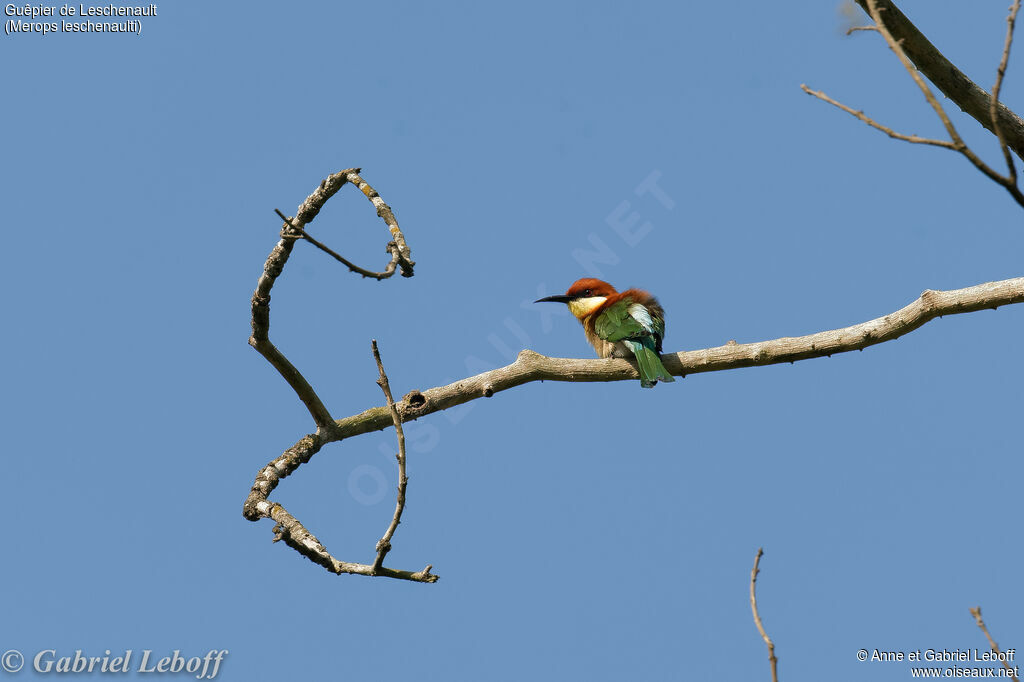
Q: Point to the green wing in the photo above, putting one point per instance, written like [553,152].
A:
[641,331]
[628,320]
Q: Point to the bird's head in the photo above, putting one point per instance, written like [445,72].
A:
[583,297]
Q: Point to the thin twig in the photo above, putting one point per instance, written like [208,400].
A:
[874,124]
[757,617]
[860,28]
[994,104]
[299,232]
[384,545]
[976,612]
[897,48]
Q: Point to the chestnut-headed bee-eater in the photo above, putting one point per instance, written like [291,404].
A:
[626,325]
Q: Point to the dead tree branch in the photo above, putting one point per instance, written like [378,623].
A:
[530,366]
[757,617]
[260,339]
[993,113]
[288,528]
[976,612]
[384,545]
[292,230]
[295,232]
[914,139]
[913,49]
[967,95]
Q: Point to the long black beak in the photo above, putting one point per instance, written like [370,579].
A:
[561,298]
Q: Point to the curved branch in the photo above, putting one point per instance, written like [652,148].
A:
[531,366]
[288,528]
[260,339]
[293,229]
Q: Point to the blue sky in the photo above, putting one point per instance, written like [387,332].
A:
[581,531]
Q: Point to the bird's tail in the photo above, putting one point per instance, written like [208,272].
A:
[649,364]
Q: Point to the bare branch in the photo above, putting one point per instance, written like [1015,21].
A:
[309,209]
[290,529]
[897,48]
[384,211]
[757,617]
[384,545]
[300,232]
[976,612]
[874,124]
[994,104]
[876,9]
[1009,182]
[260,339]
[293,229]
[530,366]
[967,95]
[257,506]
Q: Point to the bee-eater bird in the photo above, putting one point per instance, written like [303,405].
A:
[626,325]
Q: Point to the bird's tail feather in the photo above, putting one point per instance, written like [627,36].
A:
[649,364]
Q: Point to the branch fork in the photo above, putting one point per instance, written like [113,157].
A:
[529,366]
[918,56]
[288,528]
